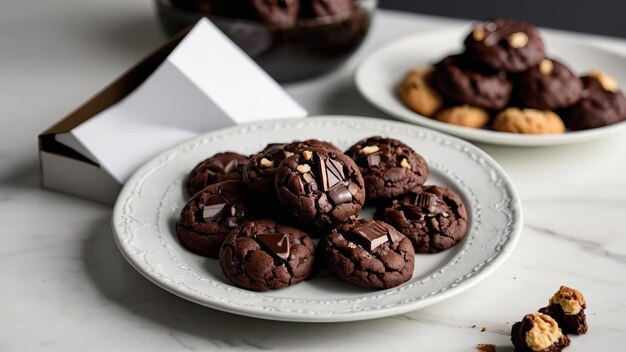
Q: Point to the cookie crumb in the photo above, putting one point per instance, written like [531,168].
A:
[483,329]
[486,347]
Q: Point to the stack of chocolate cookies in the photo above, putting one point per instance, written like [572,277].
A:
[505,81]
[259,215]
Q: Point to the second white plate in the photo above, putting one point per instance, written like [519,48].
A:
[378,75]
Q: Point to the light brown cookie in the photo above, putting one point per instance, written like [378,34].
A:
[418,94]
[528,121]
[464,115]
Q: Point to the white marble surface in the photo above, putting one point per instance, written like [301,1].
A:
[65,287]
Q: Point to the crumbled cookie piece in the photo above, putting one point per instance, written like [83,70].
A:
[538,332]
[567,307]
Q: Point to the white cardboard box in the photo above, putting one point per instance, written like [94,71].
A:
[197,82]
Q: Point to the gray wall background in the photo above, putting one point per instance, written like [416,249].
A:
[606,17]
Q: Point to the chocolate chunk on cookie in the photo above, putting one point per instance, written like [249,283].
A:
[418,94]
[281,14]
[602,103]
[567,307]
[505,44]
[389,167]
[263,255]
[211,214]
[528,121]
[218,168]
[462,81]
[320,187]
[538,333]
[259,172]
[434,219]
[549,85]
[369,253]
[464,115]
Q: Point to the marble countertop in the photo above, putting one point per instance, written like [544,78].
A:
[66,287]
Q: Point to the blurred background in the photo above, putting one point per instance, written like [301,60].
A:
[597,16]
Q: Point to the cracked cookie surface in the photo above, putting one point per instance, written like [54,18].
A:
[320,187]
[218,168]
[389,167]
[434,219]
[263,255]
[369,253]
[211,214]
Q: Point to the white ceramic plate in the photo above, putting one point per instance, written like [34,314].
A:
[378,76]
[149,204]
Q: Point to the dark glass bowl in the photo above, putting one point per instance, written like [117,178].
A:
[314,46]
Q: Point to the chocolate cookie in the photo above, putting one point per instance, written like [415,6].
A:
[322,8]
[211,214]
[602,103]
[218,168]
[320,187]
[567,307]
[505,44]
[389,167]
[281,14]
[369,253]
[418,94]
[538,333]
[528,121]
[263,255]
[549,85]
[462,81]
[434,219]
[259,172]
[464,115]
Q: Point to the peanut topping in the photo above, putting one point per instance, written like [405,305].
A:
[546,67]
[518,40]
[570,300]
[479,33]
[266,163]
[544,331]
[304,168]
[607,82]
[307,154]
[369,150]
[405,164]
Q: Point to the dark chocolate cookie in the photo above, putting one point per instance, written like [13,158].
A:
[389,167]
[505,44]
[259,172]
[567,307]
[218,168]
[538,333]
[434,219]
[322,8]
[278,13]
[369,253]
[263,255]
[320,187]
[549,86]
[211,214]
[462,81]
[602,104]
